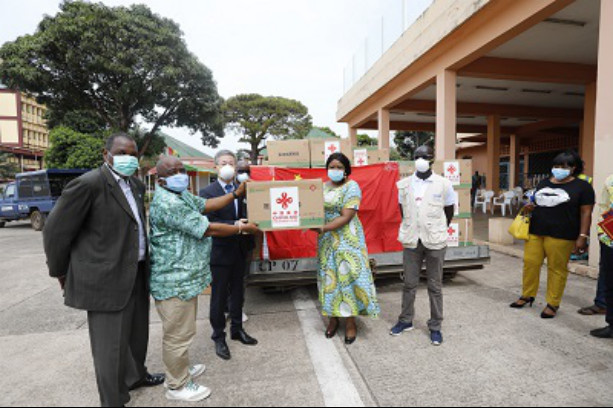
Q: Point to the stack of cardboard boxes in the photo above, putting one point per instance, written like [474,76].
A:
[459,172]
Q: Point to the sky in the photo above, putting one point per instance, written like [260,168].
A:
[296,49]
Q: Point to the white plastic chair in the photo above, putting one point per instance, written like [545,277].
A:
[484,200]
[505,200]
[519,194]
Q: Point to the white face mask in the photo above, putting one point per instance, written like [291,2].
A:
[226,173]
[422,165]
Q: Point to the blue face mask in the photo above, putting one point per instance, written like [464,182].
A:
[177,183]
[560,174]
[336,175]
[124,165]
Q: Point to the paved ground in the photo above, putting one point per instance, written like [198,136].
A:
[492,355]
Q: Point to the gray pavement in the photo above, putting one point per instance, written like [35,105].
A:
[492,355]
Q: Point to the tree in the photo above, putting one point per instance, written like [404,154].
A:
[122,63]
[408,142]
[364,140]
[8,169]
[258,117]
[73,150]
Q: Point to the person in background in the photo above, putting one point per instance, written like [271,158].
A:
[606,262]
[560,225]
[228,259]
[243,174]
[476,185]
[345,280]
[180,271]
[96,245]
[428,204]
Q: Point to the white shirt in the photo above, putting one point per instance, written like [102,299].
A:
[420,186]
[223,185]
[127,191]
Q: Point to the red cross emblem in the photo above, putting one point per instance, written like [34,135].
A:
[313,187]
[285,201]
[332,148]
[451,231]
[361,161]
[451,169]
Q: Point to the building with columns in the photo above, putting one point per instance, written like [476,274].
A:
[522,76]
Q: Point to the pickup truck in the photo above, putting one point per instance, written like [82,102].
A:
[33,195]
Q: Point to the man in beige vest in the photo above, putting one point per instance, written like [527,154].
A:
[427,201]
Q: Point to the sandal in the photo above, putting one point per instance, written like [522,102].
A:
[592,311]
[554,309]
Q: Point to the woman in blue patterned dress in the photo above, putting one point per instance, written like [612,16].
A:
[346,284]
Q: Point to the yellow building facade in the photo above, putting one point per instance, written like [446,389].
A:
[23,130]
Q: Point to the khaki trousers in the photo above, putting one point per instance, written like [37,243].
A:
[179,325]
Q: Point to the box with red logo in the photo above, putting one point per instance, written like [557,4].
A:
[366,156]
[460,233]
[459,172]
[286,205]
[321,149]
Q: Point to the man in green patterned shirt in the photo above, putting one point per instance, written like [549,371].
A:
[180,256]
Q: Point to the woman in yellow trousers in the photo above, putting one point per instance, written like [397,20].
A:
[561,219]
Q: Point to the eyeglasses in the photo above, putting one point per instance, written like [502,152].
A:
[423,156]
[244,172]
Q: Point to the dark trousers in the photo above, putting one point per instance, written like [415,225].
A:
[413,261]
[227,278]
[600,300]
[606,268]
[119,343]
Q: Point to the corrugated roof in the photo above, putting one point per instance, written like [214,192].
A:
[183,150]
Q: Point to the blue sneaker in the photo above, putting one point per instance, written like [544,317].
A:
[436,337]
[401,328]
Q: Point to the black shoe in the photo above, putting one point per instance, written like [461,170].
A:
[244,338]
[222,350]
[150,380]
[350,340]
[525,301]
[330,333]
[604,333]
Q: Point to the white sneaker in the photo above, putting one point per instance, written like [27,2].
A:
[195,371]
[192,392]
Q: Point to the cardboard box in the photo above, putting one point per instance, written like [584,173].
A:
[459,172]
[363,156]
[289,153]
[286,205]
[461,233]
[321,149]
[463,208]
[406,169]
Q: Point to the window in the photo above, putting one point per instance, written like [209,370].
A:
[40,187]
[10,191]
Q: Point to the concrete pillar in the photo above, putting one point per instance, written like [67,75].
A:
[588,128]
[514,160]
[446,112]
[526,167]
[384,129]
[493,153]
[353,136]
[603,140]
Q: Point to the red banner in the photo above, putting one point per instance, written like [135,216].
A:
[379,211]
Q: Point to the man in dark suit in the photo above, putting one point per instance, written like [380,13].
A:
[96,245]
[228,259]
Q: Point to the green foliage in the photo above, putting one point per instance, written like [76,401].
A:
[258,118]
[408,142]
[81,121]
[365,140]
[121,63]
[7,169]
[73,150]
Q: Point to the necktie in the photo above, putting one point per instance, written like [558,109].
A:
[229,189]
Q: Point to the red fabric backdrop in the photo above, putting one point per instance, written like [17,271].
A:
[379,212]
